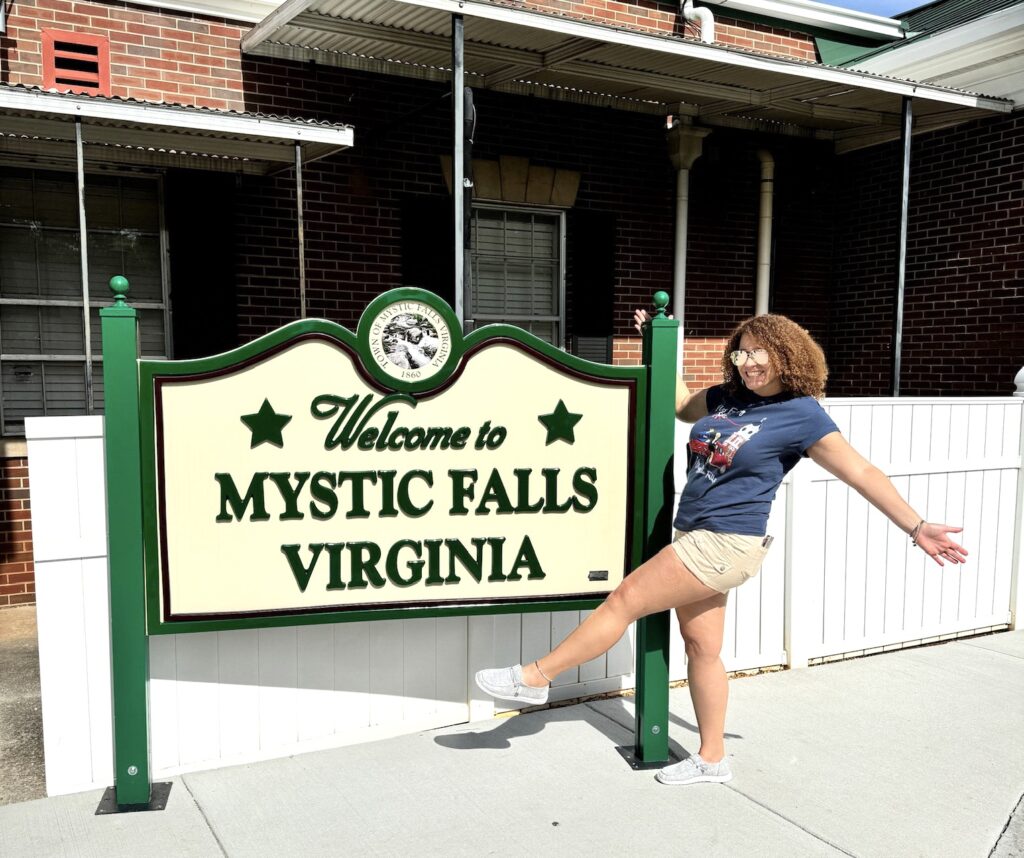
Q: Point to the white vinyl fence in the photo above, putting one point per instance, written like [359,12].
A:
[839,580]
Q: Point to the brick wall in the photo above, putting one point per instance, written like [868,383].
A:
[17,579]
[766,39]
[702,358]
[352,200]
[154,55]
[352,203]
[665,18]
[964,304]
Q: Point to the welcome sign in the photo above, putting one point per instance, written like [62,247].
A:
[320,475]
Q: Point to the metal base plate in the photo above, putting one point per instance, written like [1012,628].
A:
[629,755]
[158,794]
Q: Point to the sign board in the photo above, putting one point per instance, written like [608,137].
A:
[316,475]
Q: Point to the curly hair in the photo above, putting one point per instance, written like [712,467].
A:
[796,357]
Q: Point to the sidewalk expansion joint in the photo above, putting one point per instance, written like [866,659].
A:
[989,649]
[1012,820]
[792,822]
[206,819]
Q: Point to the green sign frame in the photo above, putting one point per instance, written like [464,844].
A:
[132,446]
[153,375]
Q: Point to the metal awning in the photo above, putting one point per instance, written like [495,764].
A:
[517,50]
[42,124]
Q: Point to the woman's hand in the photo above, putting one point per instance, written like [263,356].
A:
[934,540]
[642,317]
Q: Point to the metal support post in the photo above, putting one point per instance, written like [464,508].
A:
[906,128]
[458,167]
[83,240]
[301,230]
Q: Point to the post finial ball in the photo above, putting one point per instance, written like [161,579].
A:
[119,286]
[661,300]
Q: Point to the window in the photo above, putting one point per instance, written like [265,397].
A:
[75,62]
[44,351]
[518,270]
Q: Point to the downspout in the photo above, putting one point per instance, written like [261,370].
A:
[702,16]
[685,144]
[764,233]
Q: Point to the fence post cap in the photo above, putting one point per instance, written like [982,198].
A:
[119,286]
[1018,379]
[661,300]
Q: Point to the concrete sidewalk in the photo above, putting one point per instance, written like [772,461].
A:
[911,753]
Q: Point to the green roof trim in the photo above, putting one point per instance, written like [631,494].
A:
[832,52]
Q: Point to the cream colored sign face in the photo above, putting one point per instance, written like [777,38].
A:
[410,341]
[293,485]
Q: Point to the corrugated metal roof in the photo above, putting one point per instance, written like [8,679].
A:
[934,17]
[511,48]
[182,108]
[128,130]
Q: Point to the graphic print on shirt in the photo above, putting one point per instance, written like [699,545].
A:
[715,447]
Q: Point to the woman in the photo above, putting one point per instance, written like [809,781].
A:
[747,434]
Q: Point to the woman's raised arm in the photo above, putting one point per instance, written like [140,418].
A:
[690,405]
[836,456]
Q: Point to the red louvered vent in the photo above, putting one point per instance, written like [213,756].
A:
[75,62]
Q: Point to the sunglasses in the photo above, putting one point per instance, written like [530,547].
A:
[740,356]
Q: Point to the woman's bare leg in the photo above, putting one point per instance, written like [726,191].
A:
[663,582]
[702,625]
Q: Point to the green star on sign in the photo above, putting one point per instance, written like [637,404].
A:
[559,424]
[266,425]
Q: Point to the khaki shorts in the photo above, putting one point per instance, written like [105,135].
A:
[721,560]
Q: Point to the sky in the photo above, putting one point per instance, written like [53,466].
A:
[877,7]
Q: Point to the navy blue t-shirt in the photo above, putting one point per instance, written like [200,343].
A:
[739,454]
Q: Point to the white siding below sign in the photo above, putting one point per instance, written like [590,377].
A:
[220,698]
[838,580]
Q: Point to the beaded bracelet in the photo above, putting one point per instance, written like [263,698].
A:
[916,531]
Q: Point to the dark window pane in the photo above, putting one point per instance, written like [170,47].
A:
[131,254]
[65,388]
[23,393]
[15,196]
[97,388]
[56,200]
[41,330]
[18,275]
[516,271]
[153,342]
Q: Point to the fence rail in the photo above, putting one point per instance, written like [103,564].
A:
[839,579]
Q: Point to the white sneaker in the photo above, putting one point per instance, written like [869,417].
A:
[506,683]
[693,770]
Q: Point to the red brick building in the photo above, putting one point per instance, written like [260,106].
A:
[189,118]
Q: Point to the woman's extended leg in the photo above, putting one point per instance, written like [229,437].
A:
[663,582]
[702,625]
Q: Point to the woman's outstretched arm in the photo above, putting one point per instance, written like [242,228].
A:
[836,456]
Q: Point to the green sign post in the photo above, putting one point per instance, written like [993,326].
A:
[404,470]
[652,633]
[129,646]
